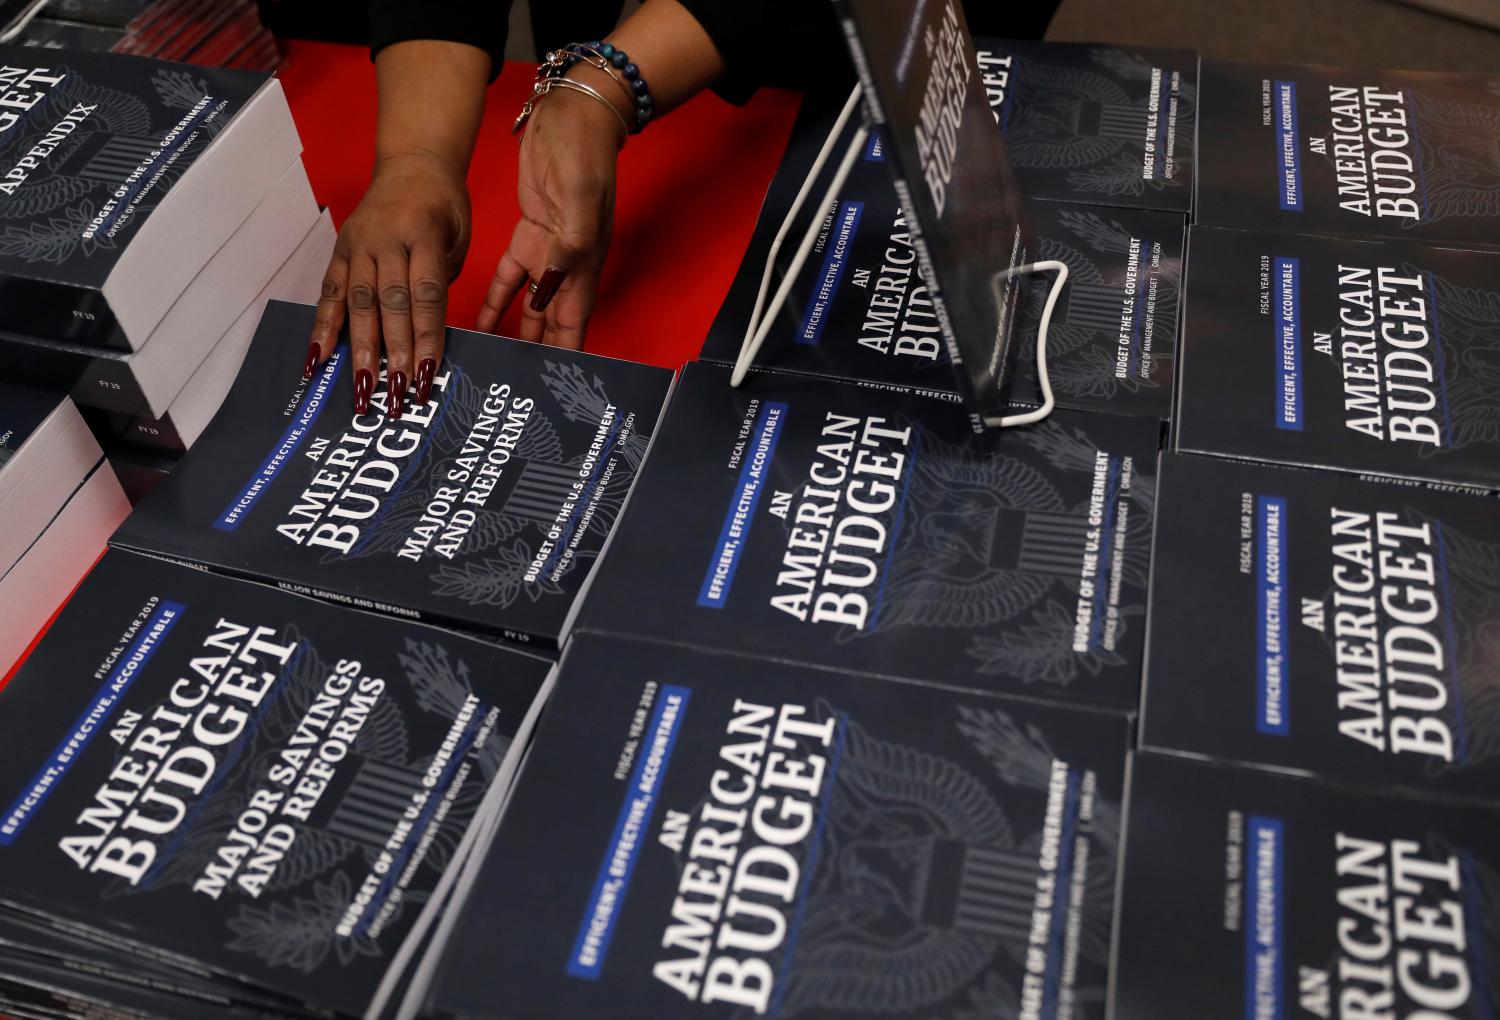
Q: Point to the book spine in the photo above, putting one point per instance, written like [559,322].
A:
[1382,477]
[350,601]
[110,384]
[107,382]
[1426,483]
[117,943]
[157,433]
[59,312]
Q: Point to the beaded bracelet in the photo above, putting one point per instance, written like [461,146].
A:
[614,62]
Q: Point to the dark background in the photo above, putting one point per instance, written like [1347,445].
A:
[1384,33]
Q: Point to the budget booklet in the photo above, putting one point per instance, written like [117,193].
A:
[251,790]
[1380,358]
[486,509]
[120,177]
[816,521]
[1353,627]
[698,834]
[1246,894]
[1334,150]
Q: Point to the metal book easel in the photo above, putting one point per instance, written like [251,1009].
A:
[763,314]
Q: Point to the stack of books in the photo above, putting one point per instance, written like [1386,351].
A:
[845,727]
[854,722]
[485,509]
[59,502]
[226,800]
[749,837]
[1358,328]
[148,210]
[1315,802]
[209,34]
[233,790]
[854,710]
[836,653]
[1296,897]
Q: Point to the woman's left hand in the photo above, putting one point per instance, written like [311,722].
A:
[567,197]
[567,172]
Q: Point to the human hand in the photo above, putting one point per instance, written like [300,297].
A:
[567,197]
[396,255]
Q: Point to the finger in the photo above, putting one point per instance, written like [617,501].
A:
[533,324]
[510,276]
[392,270]
[570,337]
[567,317]
[364,330]
[429,300]
[330,314]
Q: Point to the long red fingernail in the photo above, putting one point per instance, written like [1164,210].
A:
[314,355]
[424,379]
[546,288]
[395,388]
[364,386]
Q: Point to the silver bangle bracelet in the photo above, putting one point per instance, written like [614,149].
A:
[543,87]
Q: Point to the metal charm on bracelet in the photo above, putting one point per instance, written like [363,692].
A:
[560,62]
[616,63]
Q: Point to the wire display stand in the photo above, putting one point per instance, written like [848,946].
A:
[764,313]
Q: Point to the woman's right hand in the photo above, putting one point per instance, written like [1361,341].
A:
[406,241]
[396,255]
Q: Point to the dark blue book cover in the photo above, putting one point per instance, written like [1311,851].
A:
[922,94]
[749,839]
[1354,627]
[821,522]
[1102,125]
[485,509]
[1374,357]
[94,376]
[90,145]
[1332,150]
[1246,894]
[245,784]
[861,308]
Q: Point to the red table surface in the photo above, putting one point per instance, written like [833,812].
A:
[690,188]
